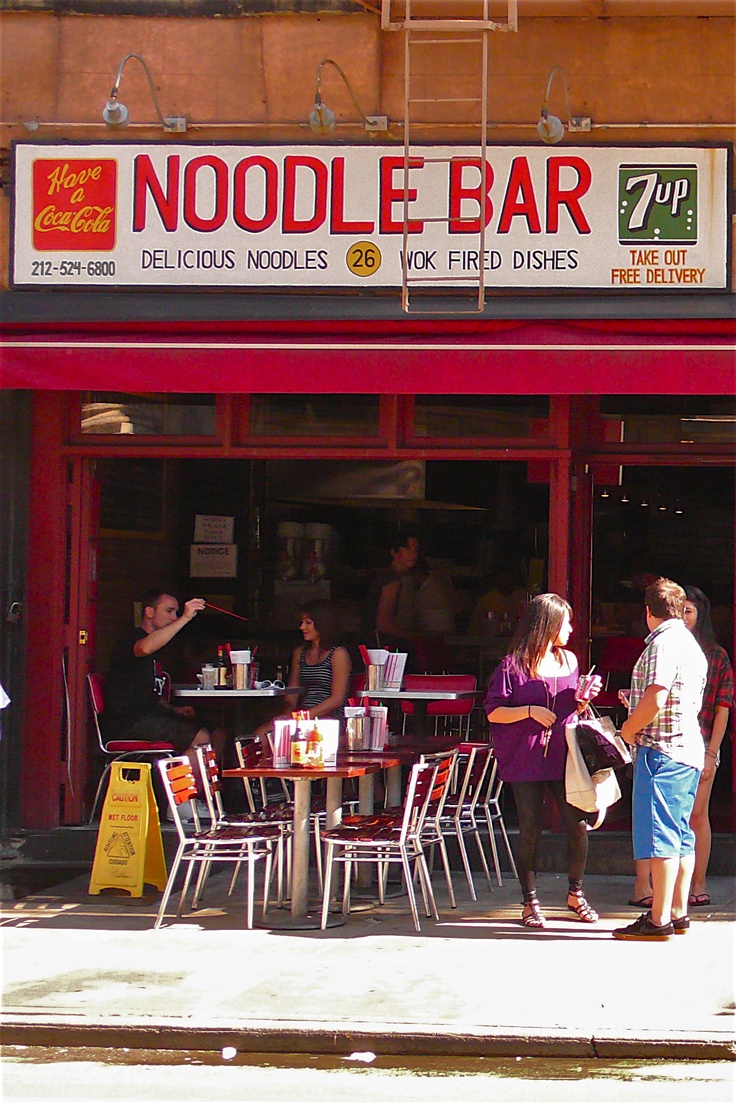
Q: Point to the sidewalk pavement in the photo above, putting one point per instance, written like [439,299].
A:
[92,971]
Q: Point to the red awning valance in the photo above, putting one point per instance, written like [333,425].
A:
[504,358]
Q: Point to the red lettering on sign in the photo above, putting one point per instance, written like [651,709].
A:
[191,178]
[520,199]
[567,197]
[391,195]
[459,192]
[166,203]
[240,194]
[338,223]
[291,224]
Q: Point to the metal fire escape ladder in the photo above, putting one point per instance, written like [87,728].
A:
[427,26]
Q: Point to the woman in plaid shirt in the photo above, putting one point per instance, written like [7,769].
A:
[713,718]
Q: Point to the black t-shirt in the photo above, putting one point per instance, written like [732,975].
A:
[132,687]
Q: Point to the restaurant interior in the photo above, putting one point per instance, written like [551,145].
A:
[305,528]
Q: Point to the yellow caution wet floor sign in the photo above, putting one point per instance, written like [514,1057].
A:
[129,851]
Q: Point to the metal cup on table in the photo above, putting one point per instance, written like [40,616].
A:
[374,677]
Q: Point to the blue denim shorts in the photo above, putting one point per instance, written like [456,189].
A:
[663,798]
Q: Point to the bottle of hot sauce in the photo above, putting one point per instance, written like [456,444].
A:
[221,672]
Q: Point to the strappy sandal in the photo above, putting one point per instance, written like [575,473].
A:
[583,911]
[534,918]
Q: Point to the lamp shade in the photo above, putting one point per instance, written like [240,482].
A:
[321,119]
[550,129]
[115,114]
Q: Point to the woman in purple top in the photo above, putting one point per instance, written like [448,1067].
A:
[530,699]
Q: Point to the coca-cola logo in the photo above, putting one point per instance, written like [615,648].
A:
[74,204]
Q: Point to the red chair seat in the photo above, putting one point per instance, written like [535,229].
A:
[369,829]
[237,833]
[114,747]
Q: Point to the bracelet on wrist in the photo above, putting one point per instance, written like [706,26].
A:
[710,752]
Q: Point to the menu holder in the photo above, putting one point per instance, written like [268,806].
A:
[379,728]
[393,670]
[283,735]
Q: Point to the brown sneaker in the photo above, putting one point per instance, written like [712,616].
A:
[644,929]
[680,925]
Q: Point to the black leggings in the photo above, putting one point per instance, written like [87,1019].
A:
[530,808]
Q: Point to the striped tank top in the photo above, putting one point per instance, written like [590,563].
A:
[317,681]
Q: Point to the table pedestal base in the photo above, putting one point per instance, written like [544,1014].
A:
[283,921]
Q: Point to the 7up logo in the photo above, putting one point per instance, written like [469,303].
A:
[658,203]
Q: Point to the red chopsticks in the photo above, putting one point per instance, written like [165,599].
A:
[220,610]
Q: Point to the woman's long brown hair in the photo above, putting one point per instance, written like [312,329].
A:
[539,627]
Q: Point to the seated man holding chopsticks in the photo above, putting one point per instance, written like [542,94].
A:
[134,706]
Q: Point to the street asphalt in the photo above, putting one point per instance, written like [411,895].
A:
[83,970]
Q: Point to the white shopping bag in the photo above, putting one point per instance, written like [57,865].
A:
[590,793]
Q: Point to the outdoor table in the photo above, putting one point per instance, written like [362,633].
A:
[421,699]
[229,694]
[302,777]
[394,759]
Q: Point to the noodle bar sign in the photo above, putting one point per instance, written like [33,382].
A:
[313,216]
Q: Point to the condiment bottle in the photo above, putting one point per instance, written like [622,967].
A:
[299,749]
[315,756]
[221,673]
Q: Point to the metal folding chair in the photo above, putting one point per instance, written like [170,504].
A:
[383,840]
[459,814]
[200,848]
[117,749]
[281,818]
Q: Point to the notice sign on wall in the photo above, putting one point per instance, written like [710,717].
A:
[154,214]
[207,561]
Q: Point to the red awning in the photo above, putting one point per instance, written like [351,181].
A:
[504,358]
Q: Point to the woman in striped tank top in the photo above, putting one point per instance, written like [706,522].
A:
[321,666]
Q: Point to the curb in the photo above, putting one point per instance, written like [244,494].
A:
[427,1040]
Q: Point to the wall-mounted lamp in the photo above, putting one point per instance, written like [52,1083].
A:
[116,114]
[551,129]
[322,120]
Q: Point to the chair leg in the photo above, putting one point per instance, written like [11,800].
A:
[250,860]
[267,875]
[464,857]
[425,878]
[185,888]
[318,851]
[409,880]
[169,887]
[481,851]
[448,876]
[382,875]
[347,877]
[327,884]
[494,848]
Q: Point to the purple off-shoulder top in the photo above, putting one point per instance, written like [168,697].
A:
[518,746]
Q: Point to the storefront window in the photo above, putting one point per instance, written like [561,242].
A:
[314,416]
[105,412]
[668,419]
[494,416]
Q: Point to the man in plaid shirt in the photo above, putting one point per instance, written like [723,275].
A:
[666,695]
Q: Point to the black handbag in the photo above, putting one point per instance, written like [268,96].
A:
[599,748]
